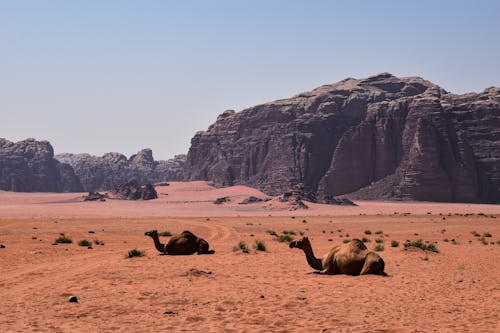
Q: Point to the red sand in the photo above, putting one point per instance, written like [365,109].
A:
[456,290]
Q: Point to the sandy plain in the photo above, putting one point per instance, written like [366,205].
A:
[455,290]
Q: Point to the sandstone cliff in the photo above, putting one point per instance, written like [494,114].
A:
[377,138]
[29,166]
[112,169]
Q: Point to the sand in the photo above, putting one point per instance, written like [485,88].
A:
[455,290]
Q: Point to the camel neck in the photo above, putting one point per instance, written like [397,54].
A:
[311,259]
[159,246]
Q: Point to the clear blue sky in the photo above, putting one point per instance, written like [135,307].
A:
[99,76]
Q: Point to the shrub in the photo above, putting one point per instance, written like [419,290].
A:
[165,234]
[421,245]
[84,242]
[379,232]
[379,247]
[394,243]
[135,253]
[289,232]
[475,233]
[345,241]
[241,246]
[259,246]
[486,234]
[98,242]
[368,232]
[284,238]
[379,241]
[365,240]
[64,240]
[446,240]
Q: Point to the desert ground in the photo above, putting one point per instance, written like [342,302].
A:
[454,290]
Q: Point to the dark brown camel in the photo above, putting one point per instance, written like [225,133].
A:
[352,258]
[180,244]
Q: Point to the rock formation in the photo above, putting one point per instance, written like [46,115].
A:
[377,138]
[112,169]
[29,166]
[134,191]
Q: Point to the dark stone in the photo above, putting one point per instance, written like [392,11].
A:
[250,200]
[219,201]
[29,166]
[133,191]
[95,196]
[377,138]
[2,246]
[112,169]
[73,299]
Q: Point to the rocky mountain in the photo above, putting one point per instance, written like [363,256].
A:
[29,166]
[382,137]
[107,171]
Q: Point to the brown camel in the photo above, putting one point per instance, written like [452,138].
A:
[181,244]
[352,258]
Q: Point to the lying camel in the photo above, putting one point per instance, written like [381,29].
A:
[184,243]
[352,258]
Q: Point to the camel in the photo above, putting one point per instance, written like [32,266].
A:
[352,258]
[181,244]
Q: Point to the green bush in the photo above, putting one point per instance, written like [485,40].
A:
[379,247]
[284,238]
[135,253]
[368,232]
[242,246]
[84,242]
[421,245]
[259,246]
[394,243]
[64,240]
[379,241]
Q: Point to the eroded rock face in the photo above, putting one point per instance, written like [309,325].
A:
[29,166]
[377,138]
[112,169]
[132,190]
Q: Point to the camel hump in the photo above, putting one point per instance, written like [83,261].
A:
[187,233]
[356,243]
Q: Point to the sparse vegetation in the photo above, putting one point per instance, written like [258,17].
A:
[64,239]
[368,232]
[475,233]
[421,245]
[289,232]
[446,240]
[165,234]
[135,253]
[443,231]
[394,243]
[379,241]
[486,234]
[98,242]
[84,242]
[259,246]
[379,248]
[284,238]
[365,240]
[345,241]
[483,241]
[379,232]
[242,246]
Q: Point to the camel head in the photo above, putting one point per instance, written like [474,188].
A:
[301,244]
[152,233]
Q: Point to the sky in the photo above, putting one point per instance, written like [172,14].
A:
[97,76]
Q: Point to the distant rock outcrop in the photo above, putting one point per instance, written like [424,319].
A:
[377,138]
[29,166]
[132,190]
[112,169]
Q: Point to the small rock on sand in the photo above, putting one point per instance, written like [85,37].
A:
[73,299]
